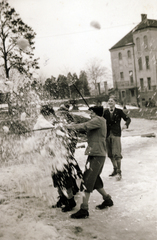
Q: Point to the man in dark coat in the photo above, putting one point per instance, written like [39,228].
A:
[113,118]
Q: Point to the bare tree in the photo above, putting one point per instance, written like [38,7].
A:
[96,73]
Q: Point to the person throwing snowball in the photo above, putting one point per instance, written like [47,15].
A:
[96,151]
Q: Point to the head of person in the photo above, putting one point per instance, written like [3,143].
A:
[47,111]
[63,113]
[112,101]
[96,111]
[99,103]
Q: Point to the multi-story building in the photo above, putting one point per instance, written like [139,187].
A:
[134,63]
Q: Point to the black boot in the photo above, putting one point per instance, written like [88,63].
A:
[70,205]
[114,173]
[62,201]
[106,203]
[82,213]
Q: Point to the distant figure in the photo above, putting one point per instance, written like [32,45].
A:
[99,103]
[150,103]
[63,113]
[74,102]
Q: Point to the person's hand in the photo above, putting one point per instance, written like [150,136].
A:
[60,133]
[124,127]
[80,174]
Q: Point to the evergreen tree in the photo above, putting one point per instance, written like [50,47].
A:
[51,87]
[74,90]
[63,88]
[78,84]
[12,28]
[73,82]
[83,84]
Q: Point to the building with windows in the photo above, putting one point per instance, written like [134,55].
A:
[134,64]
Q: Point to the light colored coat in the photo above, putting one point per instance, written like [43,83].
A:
[96,135]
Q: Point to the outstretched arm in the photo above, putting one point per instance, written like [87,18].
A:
[126,118]
[91,124]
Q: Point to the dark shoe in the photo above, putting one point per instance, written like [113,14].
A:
[106,203]
[62,201]
[82,213]
[70,205]
[114,173]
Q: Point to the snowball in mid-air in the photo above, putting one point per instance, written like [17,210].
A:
[95,24]
[23,43]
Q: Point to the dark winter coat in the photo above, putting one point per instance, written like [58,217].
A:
[113,124]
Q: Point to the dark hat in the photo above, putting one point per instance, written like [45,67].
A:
[97,110]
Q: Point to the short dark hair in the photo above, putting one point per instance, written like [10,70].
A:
[113,97]
[46,110]
[98,110]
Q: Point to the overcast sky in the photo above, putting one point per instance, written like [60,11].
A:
[65,40]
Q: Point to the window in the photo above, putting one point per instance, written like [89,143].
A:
[121,76]
[145,42]
[105,84]
[131,77]
[140,63]
[141,84]
[129,54]
[147,62]
[149,83]
[98,84]
[123,94]
[120,56]
[138,44]
[132,92]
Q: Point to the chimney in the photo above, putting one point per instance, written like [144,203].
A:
[106,87]
[143,17]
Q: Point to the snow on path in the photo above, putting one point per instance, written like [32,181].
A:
[133,216]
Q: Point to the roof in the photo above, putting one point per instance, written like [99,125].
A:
[125,41]
[128,39]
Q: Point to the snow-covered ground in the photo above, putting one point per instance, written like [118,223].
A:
[83,107]
[26,196]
